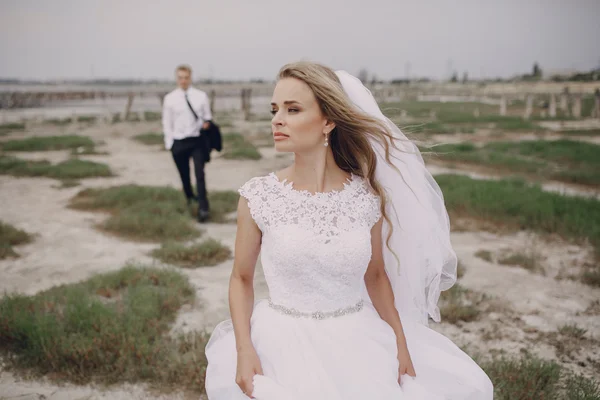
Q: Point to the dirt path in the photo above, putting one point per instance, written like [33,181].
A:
[68,249]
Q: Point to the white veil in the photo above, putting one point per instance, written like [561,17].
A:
[421,262]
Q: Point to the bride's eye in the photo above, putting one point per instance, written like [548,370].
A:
[273,112]
[293,110]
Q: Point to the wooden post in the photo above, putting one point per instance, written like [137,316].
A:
[564,101]
[247,103]
[528,106]
[243,95]
[213,97]
[596,109]
[552,110]
[503,106]
[576,109]
[128,107]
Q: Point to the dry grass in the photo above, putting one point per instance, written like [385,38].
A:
[563,160]
[71,169]
[11,127]
[47,143]
[459,305]
[207,253]
[150,138]
[484,255]
[236,147]
[140,212]
[527,259]
[530,378]
[514,205]
[11,236]
[151,213]
[111,328]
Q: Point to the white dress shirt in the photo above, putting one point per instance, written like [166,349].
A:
[177,118]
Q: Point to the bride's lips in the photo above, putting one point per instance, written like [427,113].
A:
[279,136]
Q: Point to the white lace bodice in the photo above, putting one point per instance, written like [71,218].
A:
[315,247]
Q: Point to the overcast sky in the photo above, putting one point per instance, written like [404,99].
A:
[240,39]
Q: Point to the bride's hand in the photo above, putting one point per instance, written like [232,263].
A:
[248,365]
[406,365]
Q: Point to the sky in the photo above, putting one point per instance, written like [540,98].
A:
[245,39]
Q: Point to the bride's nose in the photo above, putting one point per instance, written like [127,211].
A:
[277,119]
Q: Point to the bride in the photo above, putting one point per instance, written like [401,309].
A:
[355,248]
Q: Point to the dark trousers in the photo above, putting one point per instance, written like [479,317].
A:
[182,151]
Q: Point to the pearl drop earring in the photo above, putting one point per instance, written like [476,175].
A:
[326,141]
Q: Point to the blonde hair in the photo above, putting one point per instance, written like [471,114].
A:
[349,140]
[184,67]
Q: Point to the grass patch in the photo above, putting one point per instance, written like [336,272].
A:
[79,169]
[564,160]
[523,206]
[525,378]
[529,260]
[66,170]
[69,183]
[572,331]
[236,147]
[517,205]
[140,212]
[111,328]
[87,119]
[151,213]
[451,117]
[571,344]
[9,237]
[150,138]
[484,255]
[529,377]
[222,204]
[458,304]
[59,121]
[208,253]
[13,126]
[152,116]
[46,143]
[578,387]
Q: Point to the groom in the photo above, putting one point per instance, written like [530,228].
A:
[186,110]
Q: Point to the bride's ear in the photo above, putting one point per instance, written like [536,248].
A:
[329,127]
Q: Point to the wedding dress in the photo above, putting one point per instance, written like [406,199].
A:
[317,335]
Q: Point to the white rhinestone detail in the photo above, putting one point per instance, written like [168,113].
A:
[292,312]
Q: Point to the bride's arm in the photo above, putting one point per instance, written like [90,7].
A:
[382,296]
[378,284]
[241,284]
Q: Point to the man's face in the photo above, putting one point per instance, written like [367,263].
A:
[184,79]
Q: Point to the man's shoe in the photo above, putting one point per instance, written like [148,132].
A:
[203,215]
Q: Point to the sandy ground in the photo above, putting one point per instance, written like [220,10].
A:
[524,308]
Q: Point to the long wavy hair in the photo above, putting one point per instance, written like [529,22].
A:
[354,128]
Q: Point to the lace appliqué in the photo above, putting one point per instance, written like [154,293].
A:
[274,202]
[315,247]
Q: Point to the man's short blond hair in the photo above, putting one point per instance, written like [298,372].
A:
[184,67]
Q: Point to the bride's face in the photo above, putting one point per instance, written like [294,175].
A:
[298,124]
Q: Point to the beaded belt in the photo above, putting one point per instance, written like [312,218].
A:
[292,312]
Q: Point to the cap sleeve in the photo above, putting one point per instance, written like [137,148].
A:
[254,193]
